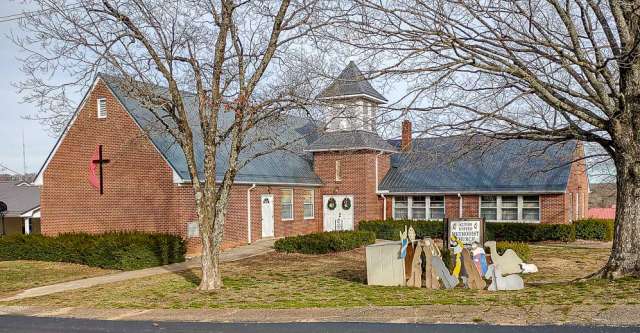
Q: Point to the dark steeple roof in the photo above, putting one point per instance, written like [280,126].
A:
[351,82]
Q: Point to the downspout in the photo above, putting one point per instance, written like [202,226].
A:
[377,180]
[460,205]
[384,208]
[249,213]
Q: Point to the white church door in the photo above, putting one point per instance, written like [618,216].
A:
[267,215]
[337,212]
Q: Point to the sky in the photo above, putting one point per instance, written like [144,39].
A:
[38,142]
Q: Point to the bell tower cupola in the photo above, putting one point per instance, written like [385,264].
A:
[351,102]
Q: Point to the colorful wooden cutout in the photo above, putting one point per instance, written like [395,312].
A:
[474,280]
[529,268]
[405,242]
[509,262]
[408,261]
[411,235]
[499,282]
[479,258]
[457,251]
[430,250]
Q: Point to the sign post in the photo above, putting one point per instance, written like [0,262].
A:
[467,230]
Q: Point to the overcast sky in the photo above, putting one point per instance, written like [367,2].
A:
[37,141]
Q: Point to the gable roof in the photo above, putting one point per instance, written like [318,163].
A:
[351,82]
[456,165]
[288,165]
[19,199]
[349,140]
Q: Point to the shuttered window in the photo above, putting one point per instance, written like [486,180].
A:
[102,108]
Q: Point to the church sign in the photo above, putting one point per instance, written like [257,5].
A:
[467,230]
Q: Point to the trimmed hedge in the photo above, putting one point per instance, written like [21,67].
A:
[514,232]
[390,229]
[530,232]
[114,250]
[325,242]
[594,229]
[522,249]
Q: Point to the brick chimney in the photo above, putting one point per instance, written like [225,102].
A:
[406,135]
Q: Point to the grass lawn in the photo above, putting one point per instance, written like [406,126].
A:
[22,274]
[290,281]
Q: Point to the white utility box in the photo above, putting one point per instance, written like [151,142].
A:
[384,266]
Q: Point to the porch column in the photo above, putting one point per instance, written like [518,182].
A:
[27,225]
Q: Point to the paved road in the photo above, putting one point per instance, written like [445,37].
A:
[22,324]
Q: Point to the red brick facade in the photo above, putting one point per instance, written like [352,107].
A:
[140,192]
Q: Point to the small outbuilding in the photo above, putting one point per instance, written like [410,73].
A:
[23,208]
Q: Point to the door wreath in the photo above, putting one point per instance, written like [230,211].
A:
[346,204]
[331,204]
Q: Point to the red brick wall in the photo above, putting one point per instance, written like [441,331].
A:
[578,186]
[139,193]
[358,179]
[138,183]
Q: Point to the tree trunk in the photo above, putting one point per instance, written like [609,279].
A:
[211,278]
[625,254]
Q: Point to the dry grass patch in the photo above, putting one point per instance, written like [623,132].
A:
[279,280]
[24,274]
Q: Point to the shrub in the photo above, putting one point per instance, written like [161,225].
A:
[390,229]
[594,229]
[530,232]
[325,242]
[522,249]
[515,232]
[114,250]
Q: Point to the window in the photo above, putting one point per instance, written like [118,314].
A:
[401,208]
[193,229]
[338,171]
[531,208]
[509,208]
[436,204]
[287,204]
[418,208]
[102,108]
[308,204]
[489,207]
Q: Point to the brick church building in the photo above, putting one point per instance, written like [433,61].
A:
[331,181]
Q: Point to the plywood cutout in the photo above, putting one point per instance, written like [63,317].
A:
[474,280]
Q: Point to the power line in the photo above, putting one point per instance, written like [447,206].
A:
[14,17]
[2,166]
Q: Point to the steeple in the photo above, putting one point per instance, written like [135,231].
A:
[353,102]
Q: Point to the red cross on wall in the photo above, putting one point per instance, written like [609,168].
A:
[96,177]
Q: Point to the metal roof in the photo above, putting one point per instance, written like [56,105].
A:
[279,143]
[351,82]
[19,199]
[463,165]
[349,140]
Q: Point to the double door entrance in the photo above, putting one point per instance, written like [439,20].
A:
[337,212]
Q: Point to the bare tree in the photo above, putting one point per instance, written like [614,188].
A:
[230,54]
[552,70]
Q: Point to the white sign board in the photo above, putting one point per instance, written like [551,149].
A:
[468,231]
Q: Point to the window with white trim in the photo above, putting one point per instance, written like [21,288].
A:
[286,200]
[436,207]
[193,229]
[510,208]
[418,207]
[338,171]
[401,208]
[308,204]
[531,208]
[489,207]
[102,108]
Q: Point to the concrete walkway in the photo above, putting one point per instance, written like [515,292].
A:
[238,253]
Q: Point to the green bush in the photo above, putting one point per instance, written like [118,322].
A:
[390,229]
[530,232]
[522,249]
[114,250]
[325,242]
[515,232]
[594,229]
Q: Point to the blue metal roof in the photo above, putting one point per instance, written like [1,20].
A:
[462,164]
[280,141]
